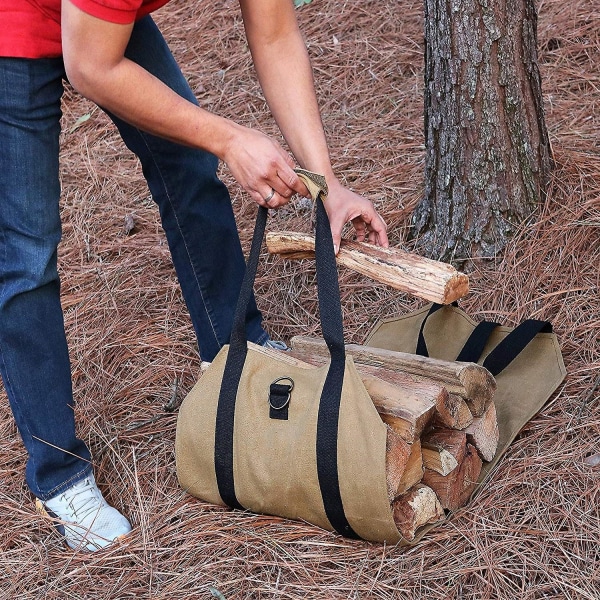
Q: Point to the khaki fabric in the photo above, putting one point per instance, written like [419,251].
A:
[275,460]
[524,386]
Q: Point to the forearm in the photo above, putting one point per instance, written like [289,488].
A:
[124,90]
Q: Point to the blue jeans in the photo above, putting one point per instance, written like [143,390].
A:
[197,217]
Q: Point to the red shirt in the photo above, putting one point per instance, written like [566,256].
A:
[31,28]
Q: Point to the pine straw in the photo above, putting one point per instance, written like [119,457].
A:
[532,532]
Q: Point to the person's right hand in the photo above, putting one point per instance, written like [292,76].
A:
[262,167]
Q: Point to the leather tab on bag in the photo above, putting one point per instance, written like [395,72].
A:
[280,395]
[315,183]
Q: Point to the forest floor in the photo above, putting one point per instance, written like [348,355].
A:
[533,530]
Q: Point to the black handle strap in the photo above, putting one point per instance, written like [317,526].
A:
[421,344]
[503,354]
[513,344]
[473,348]
[330,313]
[236,357]
[328,416]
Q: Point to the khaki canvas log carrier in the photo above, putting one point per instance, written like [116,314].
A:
[261,431]
[260,434]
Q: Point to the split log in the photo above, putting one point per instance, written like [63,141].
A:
[455,412]
[468,380]
[407,414]
[413,471]
[397,456]
[452,410]
[483,433]
[455,415]
[418,507]
[454,489]
[477,405]
[438,460]
[422,277]
[443,450]
[407,408]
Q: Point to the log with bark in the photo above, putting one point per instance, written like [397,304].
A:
[418,507]
[467,380]
[456,487]
[422,277]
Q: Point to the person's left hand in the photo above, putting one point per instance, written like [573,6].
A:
[343,205]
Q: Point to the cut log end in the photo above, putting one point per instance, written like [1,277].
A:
[418,507]
[397,454]
[483,433]
[454,412]
[454,489]
[413,471]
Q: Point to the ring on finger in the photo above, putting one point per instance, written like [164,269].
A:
[270,196]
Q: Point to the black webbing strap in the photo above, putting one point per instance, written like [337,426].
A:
[328,416]
[330,313]
[279,400]
[473,348]
[503,354]
[421,344]
[234,365]
[513,344]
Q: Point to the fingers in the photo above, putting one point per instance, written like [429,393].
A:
[284,184]
[368,224]
[263,168]
[371,227]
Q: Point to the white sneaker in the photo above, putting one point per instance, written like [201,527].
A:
[84,517]
[276,345]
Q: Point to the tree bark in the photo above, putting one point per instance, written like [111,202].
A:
[488,155]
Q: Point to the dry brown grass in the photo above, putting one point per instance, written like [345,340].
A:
[533,532]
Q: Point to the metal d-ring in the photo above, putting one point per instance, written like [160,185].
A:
[287,400]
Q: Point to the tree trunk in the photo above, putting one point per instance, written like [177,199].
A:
[488,155]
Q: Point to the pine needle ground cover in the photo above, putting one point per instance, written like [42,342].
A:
[533,532]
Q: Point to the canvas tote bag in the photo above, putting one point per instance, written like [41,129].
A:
[259,433]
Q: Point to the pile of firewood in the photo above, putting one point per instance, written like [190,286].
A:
[441,415]
[441,422]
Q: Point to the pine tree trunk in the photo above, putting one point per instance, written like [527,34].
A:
[488,154]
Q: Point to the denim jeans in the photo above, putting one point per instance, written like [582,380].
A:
[197,218]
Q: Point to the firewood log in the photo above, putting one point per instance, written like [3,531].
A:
[413,471]
[422,277]
[455,488]
[483,433]
[452,410]
[455,415]
[443,450]
[468,380]
[407,409]
[416,508]
[397,455]
[407,414]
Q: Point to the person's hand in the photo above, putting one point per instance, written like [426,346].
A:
[262,167]
[343,206]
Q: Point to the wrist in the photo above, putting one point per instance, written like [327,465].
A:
[223,138]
